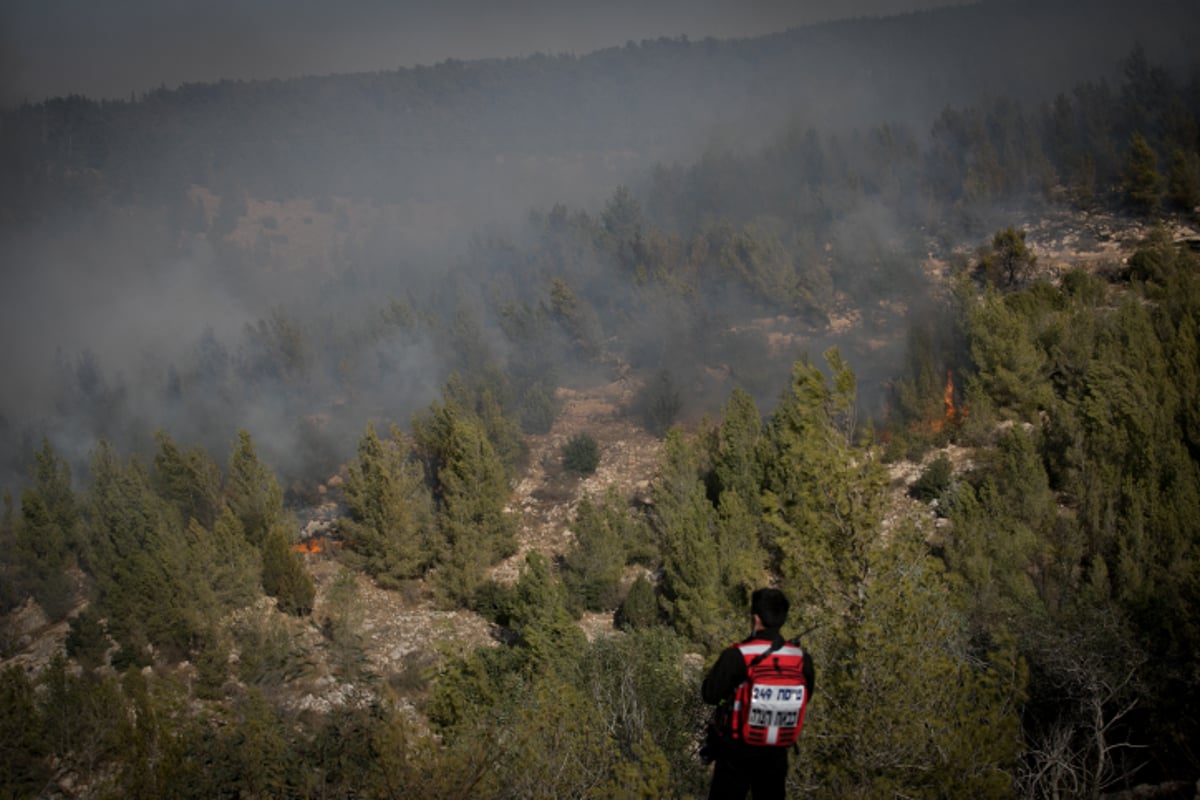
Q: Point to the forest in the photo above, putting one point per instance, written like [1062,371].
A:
[1020,622]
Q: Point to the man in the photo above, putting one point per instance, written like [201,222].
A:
[749,758]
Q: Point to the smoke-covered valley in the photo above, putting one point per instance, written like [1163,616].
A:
[297,257]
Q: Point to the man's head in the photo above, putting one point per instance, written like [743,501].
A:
[770,606]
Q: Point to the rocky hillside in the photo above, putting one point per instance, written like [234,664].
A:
[403,633]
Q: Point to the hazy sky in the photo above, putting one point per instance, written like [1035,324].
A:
[109,49]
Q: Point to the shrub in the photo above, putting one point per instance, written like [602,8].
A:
[934,480]
[659,403]
[538,409]
[581,454]
[640,609]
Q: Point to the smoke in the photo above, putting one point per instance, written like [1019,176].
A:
[307,271]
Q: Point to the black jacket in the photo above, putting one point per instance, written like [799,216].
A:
[730,670]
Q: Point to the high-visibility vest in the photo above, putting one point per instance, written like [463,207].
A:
[768,707]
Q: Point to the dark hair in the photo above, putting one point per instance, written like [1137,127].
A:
[771,606]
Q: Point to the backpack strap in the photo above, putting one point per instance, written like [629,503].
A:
[758,659]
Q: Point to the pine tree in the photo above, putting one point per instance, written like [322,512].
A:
[1142,182]
[25,767]
[284,576]
[540,616]
[190,480]
[40,550]
[593,565]
[138,558]
[735,460]
[685,522]
[475,528]
[1009,261]
[1183,180]
[253,492]
[904,706]
[391,524]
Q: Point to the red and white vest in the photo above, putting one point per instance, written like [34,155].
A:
[768,707]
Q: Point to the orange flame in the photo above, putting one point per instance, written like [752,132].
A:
[951,414]
[948,397]
[313,545]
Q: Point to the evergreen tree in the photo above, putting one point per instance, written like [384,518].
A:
[581,454]
[593,565]
[742,559]
[284,576]
[391,524]
[691,592]
[1183,180]
[1141,181]
[1009,261]
[475,528]
[24,766]
[908,694]
[735,460]
[639,609]
[540,617]
[342,624]
[1010,368]
[40,552]
[190,480]
[253,492]
[659,403]
[221,561]
[138,558]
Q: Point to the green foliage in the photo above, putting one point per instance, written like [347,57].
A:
[1052,534]
[342,624]
[223,561]
[690,589]
[540,615]
[391,526]
[87,640]
[284,576]
[470,686]
[736,453]
[42,540]
[639,609]
[1009,261]
[903,706]
[581,454]
[269,652]
[644,694]
[139,558]
[1183,180]
[935,479]
[539,408]
[1011,368]
[576,318]
[474,527]
[40,548]
[253,492]
[659,403]
[1143,184]
[190,480]
[593,566]
[822,504]
[24,768]
[742,558]
[759,262]
[212,665]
